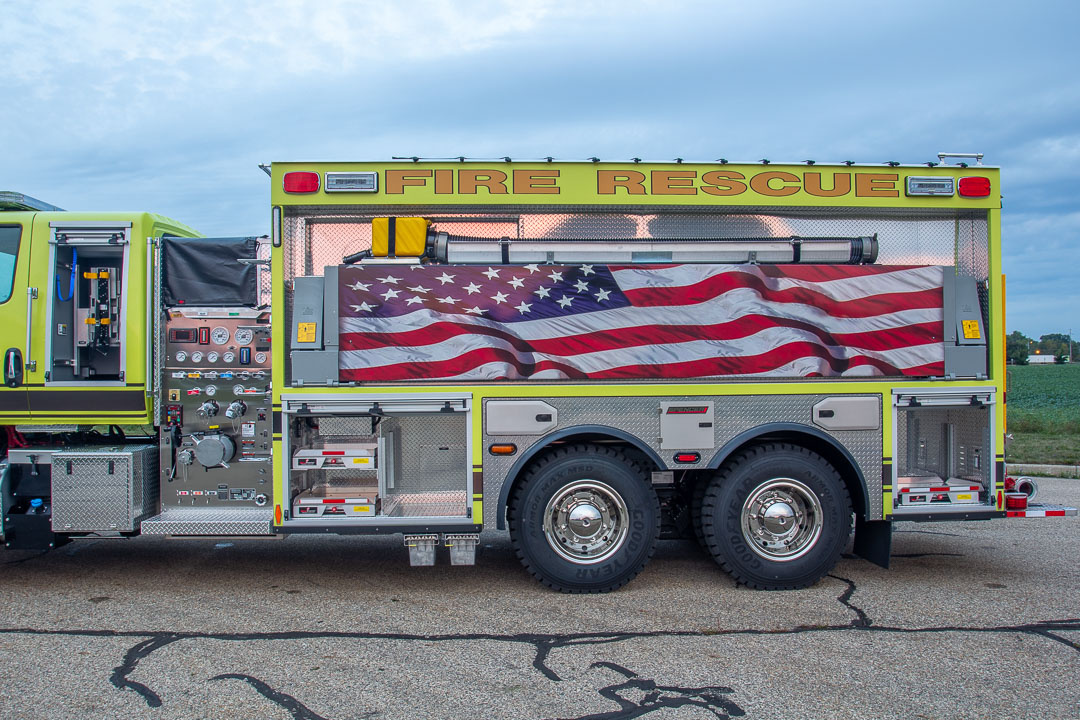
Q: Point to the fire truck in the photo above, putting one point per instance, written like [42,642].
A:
[765,358]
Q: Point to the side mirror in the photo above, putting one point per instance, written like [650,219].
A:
[13,367]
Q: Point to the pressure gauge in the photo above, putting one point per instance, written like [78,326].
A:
[237,389]
[260,358]
[229,357]
[181,356]
[243,336]
[211,390]
[212,357]
[220,335]
[196,356]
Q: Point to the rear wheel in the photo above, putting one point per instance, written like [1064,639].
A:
[777,517]
[584,519]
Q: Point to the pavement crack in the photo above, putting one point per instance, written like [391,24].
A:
[297,709]
[861,619]
[637,696]
[138,652]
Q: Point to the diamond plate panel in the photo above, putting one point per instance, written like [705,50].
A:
[103,489]
[640,417]
[431,453]
[430,504]
[210,521]
[926,446]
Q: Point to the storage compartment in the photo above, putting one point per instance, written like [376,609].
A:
[389,462]
[108,489]
[943,459]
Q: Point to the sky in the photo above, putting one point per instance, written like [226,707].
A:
[170,106]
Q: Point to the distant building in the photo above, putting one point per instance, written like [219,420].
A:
[1040,359]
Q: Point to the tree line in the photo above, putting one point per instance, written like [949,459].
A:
[1019,347]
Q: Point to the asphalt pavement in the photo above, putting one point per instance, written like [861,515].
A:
[973,620]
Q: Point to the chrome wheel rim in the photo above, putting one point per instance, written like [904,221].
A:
[781,519]
[585,522]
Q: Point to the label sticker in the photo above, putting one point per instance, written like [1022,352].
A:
[305,332]
[247,429]
[362,461]
[361,508]
[971,329]
[966,496]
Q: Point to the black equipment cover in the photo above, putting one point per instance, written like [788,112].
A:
[207,271]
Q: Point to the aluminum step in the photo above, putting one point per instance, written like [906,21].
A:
[210,521]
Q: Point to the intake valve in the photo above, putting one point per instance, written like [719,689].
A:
[236,409]
[208,409]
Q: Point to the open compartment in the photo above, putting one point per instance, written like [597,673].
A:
[943,454]
[399,461]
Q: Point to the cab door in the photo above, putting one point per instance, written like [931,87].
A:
[14,308]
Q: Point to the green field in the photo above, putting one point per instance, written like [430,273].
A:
[1044,414]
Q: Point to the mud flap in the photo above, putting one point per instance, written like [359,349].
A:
[873,541]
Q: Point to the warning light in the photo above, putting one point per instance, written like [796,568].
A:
[687,457]
[1016,501]
[504,449]
[974,187]
[300,182]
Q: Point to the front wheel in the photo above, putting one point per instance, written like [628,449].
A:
[584,519]
[777,517]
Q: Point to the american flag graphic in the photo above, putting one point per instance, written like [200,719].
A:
[547,322]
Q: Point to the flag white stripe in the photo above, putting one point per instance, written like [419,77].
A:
[725,308]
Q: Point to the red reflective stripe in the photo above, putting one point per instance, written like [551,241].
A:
[333,452]
[333,501]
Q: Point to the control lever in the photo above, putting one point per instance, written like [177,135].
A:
[236,409]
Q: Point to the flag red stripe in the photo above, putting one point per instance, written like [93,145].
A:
[616,338]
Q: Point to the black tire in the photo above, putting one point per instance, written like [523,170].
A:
[697,499]
[598,480]
[792,502]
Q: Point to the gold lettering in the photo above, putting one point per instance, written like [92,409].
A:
[632,181]
[761,183]
[723,182]
[841,185]
[493,180]
[876,185]
[398,180]
[535,182]
[673,182]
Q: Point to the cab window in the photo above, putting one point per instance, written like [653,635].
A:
[9,252]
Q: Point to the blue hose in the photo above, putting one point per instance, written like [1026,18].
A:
[71,281]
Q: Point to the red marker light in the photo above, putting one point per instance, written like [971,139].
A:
[300,182]
[687,457]
[974,187]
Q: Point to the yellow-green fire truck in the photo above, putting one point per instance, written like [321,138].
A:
[595,356]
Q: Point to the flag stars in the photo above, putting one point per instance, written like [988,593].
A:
[390,280]
[472,288]
[390,293]
[524,307]
[603,295]
[446,278]
[363,307]
[448,300]
[517,282]
[491,273]
[499,297]
[414,300]
[564,301]
[419,289]
[581,286]
[474,310]
[533,268]
[587,270]
[542,292]
[360,286]
[555,276]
